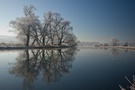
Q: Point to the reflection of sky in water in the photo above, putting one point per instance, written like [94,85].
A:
[93,69]
[100,70]
[7,81]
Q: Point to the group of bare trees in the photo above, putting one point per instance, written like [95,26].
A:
[51,63]
[54,30]
[115,42]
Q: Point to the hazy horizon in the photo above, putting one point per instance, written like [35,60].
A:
[92,20]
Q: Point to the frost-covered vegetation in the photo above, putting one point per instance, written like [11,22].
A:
[116,44]
[131,87]
[54,30]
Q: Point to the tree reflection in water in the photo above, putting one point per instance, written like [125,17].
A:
[114,51]
[52,63]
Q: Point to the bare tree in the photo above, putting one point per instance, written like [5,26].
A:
[57,30]
[47,32]
[53,30]
[26,27]
[114,41]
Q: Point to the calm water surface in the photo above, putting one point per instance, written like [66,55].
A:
[66,69]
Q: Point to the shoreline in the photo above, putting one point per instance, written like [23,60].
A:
[119,47]
[35,47]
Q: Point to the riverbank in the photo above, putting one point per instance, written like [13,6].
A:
[33,47]
[119,47]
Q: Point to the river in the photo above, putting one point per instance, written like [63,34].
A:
[66,69]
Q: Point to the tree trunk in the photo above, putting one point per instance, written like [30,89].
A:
[28,40]
[33,42]
[59,42]
[51,41]
[28,36]
[43,41]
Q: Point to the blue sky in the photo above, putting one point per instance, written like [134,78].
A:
[92,20]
